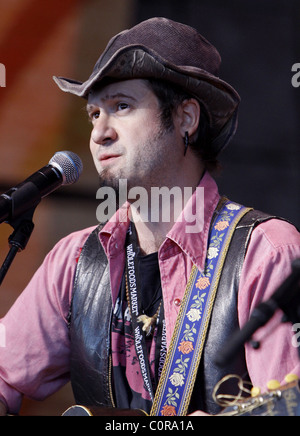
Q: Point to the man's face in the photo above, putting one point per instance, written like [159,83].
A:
[127,139]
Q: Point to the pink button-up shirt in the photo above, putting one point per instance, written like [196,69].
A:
[35,346]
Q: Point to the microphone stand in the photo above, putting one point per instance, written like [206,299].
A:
[23,227]
[22,205]
[286,298]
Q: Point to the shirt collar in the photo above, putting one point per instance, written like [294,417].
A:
[189,236]
[113,234]
[192,236]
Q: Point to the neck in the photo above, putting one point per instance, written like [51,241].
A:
[150,236]
[155,217]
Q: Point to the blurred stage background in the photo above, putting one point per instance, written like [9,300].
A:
[259,41]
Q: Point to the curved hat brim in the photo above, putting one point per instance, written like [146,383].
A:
[134,61]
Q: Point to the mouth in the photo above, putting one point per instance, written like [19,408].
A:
[108,158]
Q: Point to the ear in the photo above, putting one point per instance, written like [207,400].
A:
[188,114]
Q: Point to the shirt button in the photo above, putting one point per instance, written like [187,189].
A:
[177,302]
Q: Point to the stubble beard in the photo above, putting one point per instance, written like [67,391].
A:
[146,168]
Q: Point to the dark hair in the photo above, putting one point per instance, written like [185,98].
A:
[170,96]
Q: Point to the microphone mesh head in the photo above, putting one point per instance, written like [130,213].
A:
[69,164]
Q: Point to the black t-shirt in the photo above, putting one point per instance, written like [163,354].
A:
[128,386]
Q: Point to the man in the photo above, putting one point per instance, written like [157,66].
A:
[119,308]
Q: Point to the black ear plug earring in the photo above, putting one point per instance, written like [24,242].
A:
[186,142]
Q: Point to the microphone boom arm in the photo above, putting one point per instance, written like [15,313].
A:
[286,298]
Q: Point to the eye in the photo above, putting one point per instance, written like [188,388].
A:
[93,115]
[122,106]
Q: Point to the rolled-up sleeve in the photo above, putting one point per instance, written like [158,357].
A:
[273,247]
[35,348]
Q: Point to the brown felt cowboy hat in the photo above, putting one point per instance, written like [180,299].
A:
[164,49]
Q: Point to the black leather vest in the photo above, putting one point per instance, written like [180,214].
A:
[91,313]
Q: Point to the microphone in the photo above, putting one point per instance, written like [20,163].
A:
[64,168]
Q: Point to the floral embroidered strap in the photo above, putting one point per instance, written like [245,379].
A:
[176,383]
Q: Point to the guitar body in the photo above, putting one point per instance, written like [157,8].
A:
[284,401]
[78,410]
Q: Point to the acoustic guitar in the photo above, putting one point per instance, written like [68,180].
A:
[278,401]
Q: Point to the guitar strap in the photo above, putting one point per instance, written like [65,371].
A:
[177,380]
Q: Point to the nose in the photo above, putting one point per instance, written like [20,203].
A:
[103,132]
